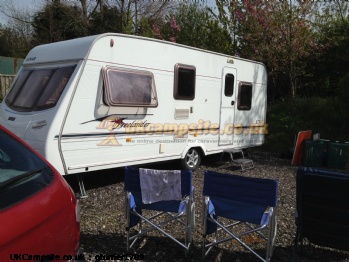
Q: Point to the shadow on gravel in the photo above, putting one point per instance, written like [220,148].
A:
[155,248]
[313,253]
[96,179]
[102,244]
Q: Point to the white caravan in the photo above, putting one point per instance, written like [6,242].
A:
[113,100]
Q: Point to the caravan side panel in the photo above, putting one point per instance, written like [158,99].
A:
[164,132]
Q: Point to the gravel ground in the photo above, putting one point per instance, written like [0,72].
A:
[102,225]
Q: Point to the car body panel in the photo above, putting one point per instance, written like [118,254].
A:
[44,223]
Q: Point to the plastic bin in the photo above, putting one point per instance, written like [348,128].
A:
[338,154]
[314,153]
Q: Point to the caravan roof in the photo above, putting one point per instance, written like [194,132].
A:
[62,51]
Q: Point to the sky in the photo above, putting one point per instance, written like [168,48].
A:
[34,5]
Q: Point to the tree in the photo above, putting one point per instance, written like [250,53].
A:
[333,62]
[106,19]
[138,16]
[60,20]
[194,25]
[278,33]
[16,35]
[13,43]
[56,22]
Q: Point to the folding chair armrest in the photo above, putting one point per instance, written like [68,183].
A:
[296,218]
[205,201]
[127,203]
[186,202]
[192,193]
[127,207]
[270,212]
[208,213]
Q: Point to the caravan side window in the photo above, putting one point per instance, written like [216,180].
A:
[38,88]
[184,82]
[245,96]
[128,87]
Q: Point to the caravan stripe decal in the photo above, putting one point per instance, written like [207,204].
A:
[173,131]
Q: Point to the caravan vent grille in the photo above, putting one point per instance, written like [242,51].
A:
[181,113]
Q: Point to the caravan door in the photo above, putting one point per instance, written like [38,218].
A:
[228,95]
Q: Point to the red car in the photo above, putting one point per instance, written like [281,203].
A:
[39,214]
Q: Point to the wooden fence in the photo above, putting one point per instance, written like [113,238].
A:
[5,82]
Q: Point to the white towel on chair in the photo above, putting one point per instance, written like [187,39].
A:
[160,185]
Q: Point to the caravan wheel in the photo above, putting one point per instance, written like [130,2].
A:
[192,159]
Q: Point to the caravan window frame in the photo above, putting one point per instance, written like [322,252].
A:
[245,93]
[133,83]
[38,88]
[181,82]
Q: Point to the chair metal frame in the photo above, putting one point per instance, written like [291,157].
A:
[182,212]
[235,210]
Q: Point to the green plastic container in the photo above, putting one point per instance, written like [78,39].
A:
[313,153]
[338,154]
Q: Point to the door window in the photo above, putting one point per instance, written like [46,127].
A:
[229,85]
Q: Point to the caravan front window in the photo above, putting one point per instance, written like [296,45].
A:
[126,87]
[38,89]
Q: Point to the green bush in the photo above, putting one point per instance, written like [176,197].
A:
[287,117]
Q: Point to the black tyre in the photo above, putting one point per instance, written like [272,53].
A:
[192,159]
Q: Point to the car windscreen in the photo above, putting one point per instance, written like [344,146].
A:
[37,89]
[22,172]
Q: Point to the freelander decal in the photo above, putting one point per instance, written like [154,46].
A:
[112,123]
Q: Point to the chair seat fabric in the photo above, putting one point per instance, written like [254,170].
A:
[238,210]
[166,206]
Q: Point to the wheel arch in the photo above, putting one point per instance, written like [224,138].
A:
[201,149]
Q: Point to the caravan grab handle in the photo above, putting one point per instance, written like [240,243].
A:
[39,124]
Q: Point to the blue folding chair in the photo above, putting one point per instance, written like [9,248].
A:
[180,211]
[248,206]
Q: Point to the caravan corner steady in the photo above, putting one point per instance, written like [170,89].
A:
[112,100]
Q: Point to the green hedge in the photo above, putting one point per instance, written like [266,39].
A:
[287,117]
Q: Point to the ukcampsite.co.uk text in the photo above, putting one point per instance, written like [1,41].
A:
[48,257]
[201,128]
[79,257]
[184,141]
